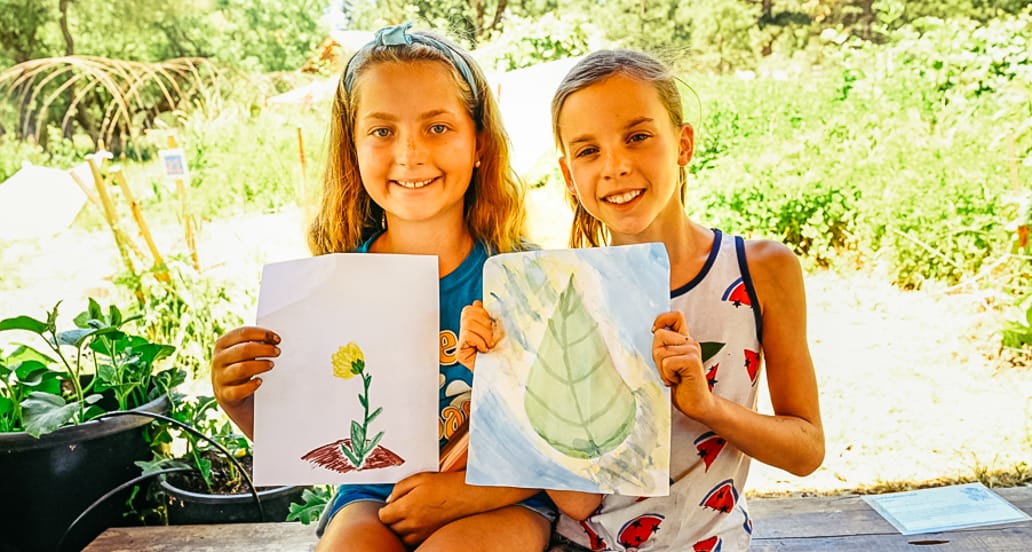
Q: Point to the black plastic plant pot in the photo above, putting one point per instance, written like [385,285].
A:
[46,483]
[190,508]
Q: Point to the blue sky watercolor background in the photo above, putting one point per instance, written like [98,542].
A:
[623,289]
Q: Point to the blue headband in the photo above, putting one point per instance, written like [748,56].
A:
[398,36]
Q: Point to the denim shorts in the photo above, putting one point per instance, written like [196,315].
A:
[347,494]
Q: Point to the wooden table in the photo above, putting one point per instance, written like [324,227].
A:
[838,523]
[848,523]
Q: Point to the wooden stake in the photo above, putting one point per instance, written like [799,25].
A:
[304,176]
[162,273]
[187,224]
[121,240]
[91,196]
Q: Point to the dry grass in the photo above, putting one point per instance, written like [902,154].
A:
[915,390]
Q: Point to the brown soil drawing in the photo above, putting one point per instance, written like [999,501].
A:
[330,457]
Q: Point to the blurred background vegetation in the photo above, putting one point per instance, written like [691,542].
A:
[889,136]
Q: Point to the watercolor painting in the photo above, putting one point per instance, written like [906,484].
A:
[353,396]
[570,399]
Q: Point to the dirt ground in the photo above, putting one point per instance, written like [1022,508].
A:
[913,386]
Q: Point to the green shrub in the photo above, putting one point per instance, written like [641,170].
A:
[528,41]
[896,157]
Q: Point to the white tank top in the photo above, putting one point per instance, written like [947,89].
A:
[706,509]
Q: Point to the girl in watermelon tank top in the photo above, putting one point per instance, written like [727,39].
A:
[738,305]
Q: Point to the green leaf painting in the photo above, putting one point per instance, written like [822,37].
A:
[569,398]
[575,398]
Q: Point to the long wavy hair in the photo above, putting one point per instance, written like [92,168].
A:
[588,231]
[494,201]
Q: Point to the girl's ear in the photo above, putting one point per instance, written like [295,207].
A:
[567,176]
[686,144]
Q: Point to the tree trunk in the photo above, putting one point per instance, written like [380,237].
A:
[868,19]
[62,5]
[63,21]
[478,18]
[499,11]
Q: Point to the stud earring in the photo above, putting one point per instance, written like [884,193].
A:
[477,164]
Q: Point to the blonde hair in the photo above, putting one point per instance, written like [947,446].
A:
[347,216]
[594,68]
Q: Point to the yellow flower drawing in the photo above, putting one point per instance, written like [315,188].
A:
[348,361]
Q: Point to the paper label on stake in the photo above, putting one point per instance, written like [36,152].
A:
[174,161]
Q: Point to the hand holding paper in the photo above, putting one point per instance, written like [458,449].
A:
[240,356]
[478,333]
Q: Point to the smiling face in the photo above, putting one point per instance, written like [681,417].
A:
[415,141]
[622,155]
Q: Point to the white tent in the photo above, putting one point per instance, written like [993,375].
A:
[525,99]
[38,201]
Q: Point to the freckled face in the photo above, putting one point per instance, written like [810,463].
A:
[622,155]
[415,141]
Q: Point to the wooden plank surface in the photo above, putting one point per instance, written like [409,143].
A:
[833,516]
[847,523]
[996,539]
[230,537]
[841,523]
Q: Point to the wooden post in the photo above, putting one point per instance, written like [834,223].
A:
[304,176]
[187,223]
[91,196]
[162,273]
[121,240]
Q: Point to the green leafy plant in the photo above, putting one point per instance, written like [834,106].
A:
[313,502]
[195,449]
[189,308]
[205,429]
[94,367]
[1017,332]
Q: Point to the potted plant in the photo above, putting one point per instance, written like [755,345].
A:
[207,480]
[60,450]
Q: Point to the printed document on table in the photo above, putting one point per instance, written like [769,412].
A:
[944,509]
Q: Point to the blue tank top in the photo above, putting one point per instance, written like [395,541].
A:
[457,289]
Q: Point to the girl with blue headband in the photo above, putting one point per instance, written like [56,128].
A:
[418,164]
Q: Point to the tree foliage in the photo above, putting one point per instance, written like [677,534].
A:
[271,35]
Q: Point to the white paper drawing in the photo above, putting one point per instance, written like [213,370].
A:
[353,395]
[570,398]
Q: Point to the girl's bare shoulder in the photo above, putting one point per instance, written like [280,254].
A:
[769,252]
[772,265]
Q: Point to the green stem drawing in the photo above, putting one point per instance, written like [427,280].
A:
[349,361]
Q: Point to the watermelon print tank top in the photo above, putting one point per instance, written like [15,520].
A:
[706,509]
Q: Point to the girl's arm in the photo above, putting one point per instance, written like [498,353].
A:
[793,438]
[575,504]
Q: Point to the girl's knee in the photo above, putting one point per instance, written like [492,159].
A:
[509,529]
[357,527]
